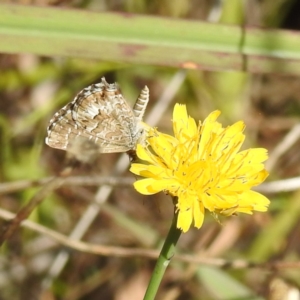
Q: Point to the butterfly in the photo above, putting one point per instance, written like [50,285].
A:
[99,118]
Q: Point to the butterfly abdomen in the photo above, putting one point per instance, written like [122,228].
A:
[141,104]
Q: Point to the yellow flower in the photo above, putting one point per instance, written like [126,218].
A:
[202,166]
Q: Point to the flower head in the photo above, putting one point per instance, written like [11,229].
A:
[202,166]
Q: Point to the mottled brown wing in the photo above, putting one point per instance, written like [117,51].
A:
[99,113]
[107,118]
[61,128]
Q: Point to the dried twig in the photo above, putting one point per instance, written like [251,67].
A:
[278,186]
[12,225]
[112,251]
[288,141]
[19,185]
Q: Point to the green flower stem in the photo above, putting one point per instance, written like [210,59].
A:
[165,256]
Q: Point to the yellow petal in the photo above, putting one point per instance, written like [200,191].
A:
[155,172]
[151,186]
[183,125]
[207,129]
[228,143]
[184,220]
[164,147]
[198,214]
[144,154]
[254,200]
[180,119]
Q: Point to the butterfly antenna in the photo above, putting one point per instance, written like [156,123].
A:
[141,103]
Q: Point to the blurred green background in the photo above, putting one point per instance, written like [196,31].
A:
[33,88]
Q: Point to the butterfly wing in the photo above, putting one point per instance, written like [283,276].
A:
[61,128]
[107,117]
[100,114]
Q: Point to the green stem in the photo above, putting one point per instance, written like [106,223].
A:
[165,256]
